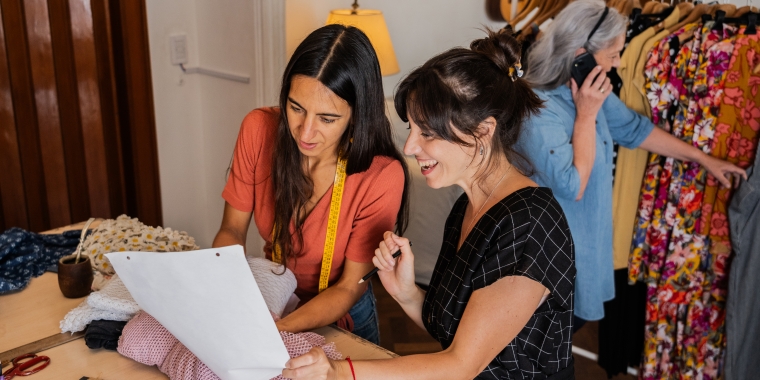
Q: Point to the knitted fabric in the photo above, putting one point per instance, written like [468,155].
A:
[24,255]
[112,303]
[275,287]
[82,315]
[126,234]
[114,297]
[146,341]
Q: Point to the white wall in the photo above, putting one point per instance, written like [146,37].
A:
[198,117]
[419,29]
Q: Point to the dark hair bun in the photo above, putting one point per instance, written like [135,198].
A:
[500,47]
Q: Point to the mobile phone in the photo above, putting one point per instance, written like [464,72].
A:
[582,66]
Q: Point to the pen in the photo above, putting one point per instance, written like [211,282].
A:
[372,272]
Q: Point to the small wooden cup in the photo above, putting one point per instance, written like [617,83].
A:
[75,280]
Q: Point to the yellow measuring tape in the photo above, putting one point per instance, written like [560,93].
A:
[332,226]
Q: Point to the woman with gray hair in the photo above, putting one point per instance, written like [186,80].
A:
[570,140]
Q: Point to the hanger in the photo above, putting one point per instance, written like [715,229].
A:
[543,11]
[660,7]
[648,7]
[684,9]
[624,7]
[499,10]
[529,6]
[559,5]
[744,10]
[694,16]
[728,9]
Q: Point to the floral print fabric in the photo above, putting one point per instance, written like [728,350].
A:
[127,234]
[708,99]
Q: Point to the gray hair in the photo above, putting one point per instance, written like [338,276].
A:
[551,58]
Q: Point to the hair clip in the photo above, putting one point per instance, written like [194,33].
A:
[516,70]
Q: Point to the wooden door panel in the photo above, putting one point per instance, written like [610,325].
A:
[138,101]
[77,130]
[48,118]
[68,106]
[25,111]
[89,105]
[12,194]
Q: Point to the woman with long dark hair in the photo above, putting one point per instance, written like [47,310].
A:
[322,179]
[500,300]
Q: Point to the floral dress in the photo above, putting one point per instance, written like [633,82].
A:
[681,244]
[666,67]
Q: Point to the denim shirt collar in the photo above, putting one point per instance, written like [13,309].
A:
[562,91]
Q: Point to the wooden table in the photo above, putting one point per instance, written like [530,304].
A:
[35,312]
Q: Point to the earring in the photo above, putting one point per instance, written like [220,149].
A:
[481,150]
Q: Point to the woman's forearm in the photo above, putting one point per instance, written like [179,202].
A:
[439,365]
[584,150]
[326,308]
[226,237]
[665,144]
[413,306]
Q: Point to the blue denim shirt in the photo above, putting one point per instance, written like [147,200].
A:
[547,141]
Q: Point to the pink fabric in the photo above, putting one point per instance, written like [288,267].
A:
[147,341]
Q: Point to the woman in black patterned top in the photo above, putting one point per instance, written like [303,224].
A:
[501,297]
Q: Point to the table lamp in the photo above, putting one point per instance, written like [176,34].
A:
[372,23]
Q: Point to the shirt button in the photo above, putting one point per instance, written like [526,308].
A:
[551,151]
[605,143]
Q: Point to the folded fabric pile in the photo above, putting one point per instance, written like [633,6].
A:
[112,303]
[103,334]
[24,255]
[129,234]
[146,341]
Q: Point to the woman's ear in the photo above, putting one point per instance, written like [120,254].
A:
[487,128]
[580,51]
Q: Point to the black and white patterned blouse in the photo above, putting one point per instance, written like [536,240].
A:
[525,234]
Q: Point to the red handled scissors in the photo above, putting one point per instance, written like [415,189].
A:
[26,365]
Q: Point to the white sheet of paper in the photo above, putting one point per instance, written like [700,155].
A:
[209,300]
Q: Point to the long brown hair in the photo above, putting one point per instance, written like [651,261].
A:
[342,59]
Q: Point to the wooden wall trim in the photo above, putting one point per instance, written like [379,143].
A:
[68,106]
[48,118]
[25,111]
[141,136]
[101,27]
[89,104]
[12,194]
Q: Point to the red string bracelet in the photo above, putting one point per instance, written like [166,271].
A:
[350,364]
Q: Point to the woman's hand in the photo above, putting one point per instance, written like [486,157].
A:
[397,275]
[591,95]
[312,365]
[723,171]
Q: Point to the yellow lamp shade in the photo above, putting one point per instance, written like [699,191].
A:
[372,23]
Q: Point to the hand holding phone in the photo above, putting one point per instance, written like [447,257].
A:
[582,66]
[589,97]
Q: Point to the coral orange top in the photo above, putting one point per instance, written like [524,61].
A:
[371,201]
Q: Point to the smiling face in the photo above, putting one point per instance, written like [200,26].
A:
[316,116]
[442,163]
[610,57]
